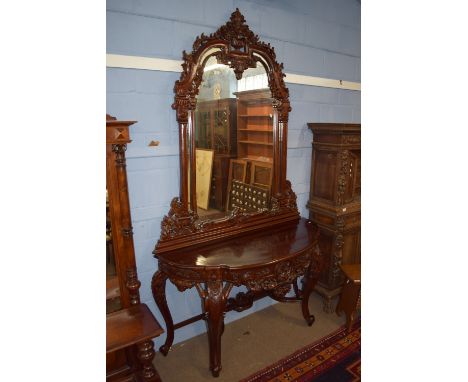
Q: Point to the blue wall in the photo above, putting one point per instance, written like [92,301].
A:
[317,37]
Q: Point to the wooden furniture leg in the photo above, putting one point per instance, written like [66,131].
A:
[158,286]
[214,302]
[351,293]
[308,286]
[348,302]
[309,281]
[146,355]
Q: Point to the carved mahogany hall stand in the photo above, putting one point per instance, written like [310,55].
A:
[266,249]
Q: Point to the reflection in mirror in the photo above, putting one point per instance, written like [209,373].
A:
[112,280]
[233,132]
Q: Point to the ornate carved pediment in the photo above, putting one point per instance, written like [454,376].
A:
[237,44]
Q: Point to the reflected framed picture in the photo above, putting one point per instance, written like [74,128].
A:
[204,170]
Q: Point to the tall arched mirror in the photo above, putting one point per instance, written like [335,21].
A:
[232,107]
[233,134]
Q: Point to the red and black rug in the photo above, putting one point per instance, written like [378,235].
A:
[334,358]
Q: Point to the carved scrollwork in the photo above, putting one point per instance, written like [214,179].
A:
[238,44]
[281,291]
[182,278]
[344,157]
[179,221]
[119,150]
[242,301]
[284,202]
[270,277]
[337,253]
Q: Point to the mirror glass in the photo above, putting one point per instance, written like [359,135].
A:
[233,132]
[112,280]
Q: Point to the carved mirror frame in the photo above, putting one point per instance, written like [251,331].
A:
[239,48]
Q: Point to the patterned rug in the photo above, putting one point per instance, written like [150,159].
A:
[334,358]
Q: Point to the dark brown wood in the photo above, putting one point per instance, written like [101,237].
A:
[335,201]
[133,323]
[265,250]
[158,287]
[130,326]
[267,263]
[238,47]
[350,297]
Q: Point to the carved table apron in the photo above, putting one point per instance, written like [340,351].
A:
[267,263]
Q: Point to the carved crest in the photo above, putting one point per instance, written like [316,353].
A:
[238,43]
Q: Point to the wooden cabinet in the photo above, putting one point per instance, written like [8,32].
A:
[129,324]
[216,121]
[335,200]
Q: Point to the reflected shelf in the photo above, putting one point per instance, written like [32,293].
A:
[255,115]
[257,130]
[256,143]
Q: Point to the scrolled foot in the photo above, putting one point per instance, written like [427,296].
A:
[310,320]
[164,349]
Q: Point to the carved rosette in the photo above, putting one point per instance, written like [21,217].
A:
[133,284]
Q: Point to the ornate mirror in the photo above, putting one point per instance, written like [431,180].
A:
[232,107]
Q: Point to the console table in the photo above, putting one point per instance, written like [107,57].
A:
[267,263]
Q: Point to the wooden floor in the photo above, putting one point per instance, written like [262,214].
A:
[248,344]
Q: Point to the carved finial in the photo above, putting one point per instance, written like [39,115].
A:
[237,18]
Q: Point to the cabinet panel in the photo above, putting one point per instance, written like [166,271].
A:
[335,200]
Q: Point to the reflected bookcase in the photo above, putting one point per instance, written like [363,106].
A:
[216,121]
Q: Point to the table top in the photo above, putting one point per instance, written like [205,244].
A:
[129,326]
[261,248]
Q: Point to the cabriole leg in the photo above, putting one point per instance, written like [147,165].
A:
[158,286]
[214,299]
[310,280]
